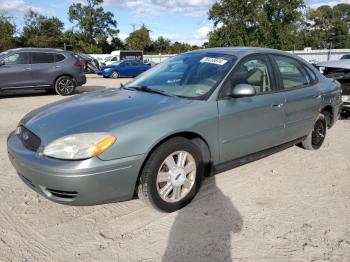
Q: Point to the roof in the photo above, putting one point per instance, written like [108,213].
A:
[35,49]
[242,51]
[343,63]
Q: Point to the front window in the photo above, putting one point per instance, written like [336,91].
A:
[17,59]
[191,75]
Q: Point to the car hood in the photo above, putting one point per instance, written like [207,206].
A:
[101,111]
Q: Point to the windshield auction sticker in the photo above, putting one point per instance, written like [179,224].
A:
[212,60]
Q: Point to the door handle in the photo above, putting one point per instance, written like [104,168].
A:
[317,96]
[27,69]
[276,105]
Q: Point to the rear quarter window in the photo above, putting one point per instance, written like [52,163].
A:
[59,57]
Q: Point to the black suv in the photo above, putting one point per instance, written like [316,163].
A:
[41,68]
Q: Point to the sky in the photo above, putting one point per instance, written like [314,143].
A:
[179,20]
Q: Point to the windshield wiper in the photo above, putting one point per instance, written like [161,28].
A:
[147,90]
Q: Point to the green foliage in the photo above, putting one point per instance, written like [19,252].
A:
[42,31]
[139,39]
[269,23]
[7,31]
[92,20]
[327,27]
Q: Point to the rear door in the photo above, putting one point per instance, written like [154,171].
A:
[302,94]
[16,72]
[250,124]
[44,69]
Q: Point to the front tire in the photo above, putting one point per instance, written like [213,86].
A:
[172,175]
[115,75]
[65,86]
[316,137]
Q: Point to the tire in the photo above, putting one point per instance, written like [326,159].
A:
[171,189]
[316,137]
[65,86]
[115,75]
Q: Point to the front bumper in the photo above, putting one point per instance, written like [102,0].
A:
[86,182]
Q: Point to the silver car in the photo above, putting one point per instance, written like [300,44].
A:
[194,115]
[49,69]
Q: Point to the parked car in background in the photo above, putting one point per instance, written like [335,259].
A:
[124,68]
[123,55]
[196,113]
[41,68]
[90,64]
[347,56]
[340,71]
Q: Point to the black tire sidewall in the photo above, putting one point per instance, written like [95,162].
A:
[60,79]
[154,164]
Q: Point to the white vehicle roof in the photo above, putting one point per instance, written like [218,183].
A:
[343,63]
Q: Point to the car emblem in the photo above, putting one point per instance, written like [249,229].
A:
[25,136]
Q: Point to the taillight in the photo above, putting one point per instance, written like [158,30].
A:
[78,63]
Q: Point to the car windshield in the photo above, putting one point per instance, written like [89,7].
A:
[191,75]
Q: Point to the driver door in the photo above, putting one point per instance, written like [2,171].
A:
[16,72]
[250,124]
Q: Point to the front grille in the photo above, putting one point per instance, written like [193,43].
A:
[28,138]
[61,194]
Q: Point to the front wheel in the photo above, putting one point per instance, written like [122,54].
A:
[65,86]
[115,75]
[316,137]
[172,175]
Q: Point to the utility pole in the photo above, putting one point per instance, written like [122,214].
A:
[133,27]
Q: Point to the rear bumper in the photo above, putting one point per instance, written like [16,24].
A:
[81,80]
[86,182]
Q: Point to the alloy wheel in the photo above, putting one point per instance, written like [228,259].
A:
[176,176]
[65,86]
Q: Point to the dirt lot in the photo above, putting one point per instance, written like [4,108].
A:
[291,206]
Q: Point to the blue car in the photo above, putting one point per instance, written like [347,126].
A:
[124,68]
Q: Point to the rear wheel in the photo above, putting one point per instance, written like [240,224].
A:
[65,86]
[172,175]
[316,137]
[115,75]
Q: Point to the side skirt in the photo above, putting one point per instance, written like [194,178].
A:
[253,157]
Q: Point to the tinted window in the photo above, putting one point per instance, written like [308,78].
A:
[293,74]
[254,72]
[17,59]
[40,58]
[59,57]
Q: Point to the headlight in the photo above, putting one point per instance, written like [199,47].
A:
[79,146]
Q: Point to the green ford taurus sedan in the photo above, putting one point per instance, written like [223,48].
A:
[196,114]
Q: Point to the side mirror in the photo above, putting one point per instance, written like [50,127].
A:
[243,90]
[2,62]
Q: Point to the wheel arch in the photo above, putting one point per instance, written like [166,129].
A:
[328,112]
[68,75]
[194,137]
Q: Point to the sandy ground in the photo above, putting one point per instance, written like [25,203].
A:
[291,206]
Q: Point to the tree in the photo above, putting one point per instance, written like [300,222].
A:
[42,31]
[93,21]
[139,39]
[327,27]
[7,31]
[162,45]
[269,23]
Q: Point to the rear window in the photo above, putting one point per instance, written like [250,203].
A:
[42,58]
